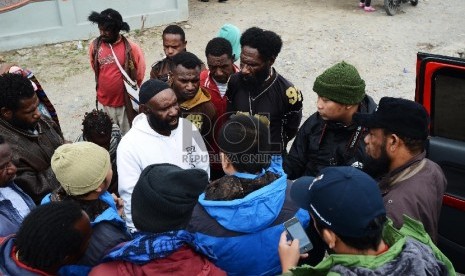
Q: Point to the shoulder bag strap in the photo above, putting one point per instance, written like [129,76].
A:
[125,75]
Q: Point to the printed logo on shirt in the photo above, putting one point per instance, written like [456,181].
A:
[190,158]
[294,95]
[264,119]
[196,120]
[103,61]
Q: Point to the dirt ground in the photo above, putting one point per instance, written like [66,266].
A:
[316,35]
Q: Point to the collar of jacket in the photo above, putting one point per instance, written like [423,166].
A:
[202,96]
[24,132]
[403,172]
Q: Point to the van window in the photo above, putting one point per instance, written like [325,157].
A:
[448,109]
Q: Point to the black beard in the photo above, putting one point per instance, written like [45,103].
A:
[110,40]
[159,125]
[378,167]
[22,125]
[257,80]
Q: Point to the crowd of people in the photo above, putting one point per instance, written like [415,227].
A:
[196,178]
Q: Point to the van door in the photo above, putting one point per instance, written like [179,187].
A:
[440,88]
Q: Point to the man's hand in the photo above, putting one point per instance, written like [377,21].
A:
[289,253]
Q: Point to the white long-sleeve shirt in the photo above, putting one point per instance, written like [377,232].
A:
[142,146]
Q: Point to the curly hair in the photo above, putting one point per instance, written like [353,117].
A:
[96,122]
[187,60]
[267,43]
[47,236]
[219,46]
[109,19]
[176,30]
[14,88]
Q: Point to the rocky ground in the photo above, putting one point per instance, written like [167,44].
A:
[316,35]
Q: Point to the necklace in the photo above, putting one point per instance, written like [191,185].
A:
[252,99]
[269,75]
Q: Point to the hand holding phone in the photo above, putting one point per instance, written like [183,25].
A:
[296,231]
[289,254]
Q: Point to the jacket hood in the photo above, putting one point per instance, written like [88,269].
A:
[415,259]
[7,265]
[411,252]
[250,214]
[109,215]
[201,97]
[141,123]
[368,105]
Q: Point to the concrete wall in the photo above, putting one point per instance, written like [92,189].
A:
[63,20]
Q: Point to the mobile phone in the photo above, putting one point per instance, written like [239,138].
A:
[296,231]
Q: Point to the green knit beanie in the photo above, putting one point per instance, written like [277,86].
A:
[340,83]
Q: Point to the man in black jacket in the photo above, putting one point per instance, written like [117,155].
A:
[260,91]
[329,137]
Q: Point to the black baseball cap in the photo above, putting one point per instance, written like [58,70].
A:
[400,116]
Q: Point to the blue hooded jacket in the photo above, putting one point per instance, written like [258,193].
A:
[244,233]
[110,214]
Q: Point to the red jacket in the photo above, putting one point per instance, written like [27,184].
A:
[208,84]
[185,261]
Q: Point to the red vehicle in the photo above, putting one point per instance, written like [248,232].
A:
[440,88]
